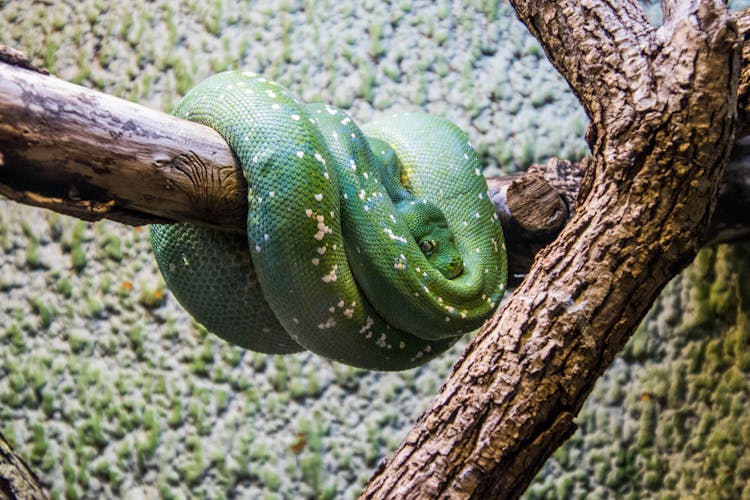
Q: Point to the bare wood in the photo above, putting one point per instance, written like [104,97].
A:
[662,105]
[95,156]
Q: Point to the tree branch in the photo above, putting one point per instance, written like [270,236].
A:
[93,156]
[662,108]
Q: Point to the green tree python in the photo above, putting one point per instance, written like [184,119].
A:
[376,247]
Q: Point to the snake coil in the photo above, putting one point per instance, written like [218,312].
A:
[376,247]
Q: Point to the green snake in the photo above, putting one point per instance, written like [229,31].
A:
[375,247]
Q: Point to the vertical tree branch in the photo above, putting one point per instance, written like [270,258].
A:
[661,104]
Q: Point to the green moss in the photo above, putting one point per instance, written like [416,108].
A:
[45,312]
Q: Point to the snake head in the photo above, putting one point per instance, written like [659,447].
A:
[430,230]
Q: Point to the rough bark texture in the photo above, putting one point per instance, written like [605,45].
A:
[17,480]
[662,108]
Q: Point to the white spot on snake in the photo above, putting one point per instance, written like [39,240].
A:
[400,263]
[321,250]
[325,174]
[447,319]
[255,159]
[318,197]
[249,74]
[331,309]
[362,194]
[381,342]
[331,111]
[265,236]
[353,136]
[315,261]
[257,248]
[275,106]
[367,208]
[249,91]
[345,121]
[346,196]
[366,176]
[271,94]
[463,314]
[262,80]
[300,154]
[296,321]
[476,215]
[319,235]
[308,212]
[352,164]
[295,118]
[322,227]
[402,345]
[394,236]
[271,194]
[466,157]
[335,135]
[332,276]
[320,158]
[478,171]
[428,348]
[349,313]
[368,324]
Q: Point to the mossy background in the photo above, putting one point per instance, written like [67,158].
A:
[110,390]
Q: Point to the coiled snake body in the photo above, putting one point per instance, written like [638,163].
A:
[347,253]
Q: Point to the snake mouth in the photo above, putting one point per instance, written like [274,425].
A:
[454,269]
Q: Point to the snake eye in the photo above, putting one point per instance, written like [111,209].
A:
[427,246]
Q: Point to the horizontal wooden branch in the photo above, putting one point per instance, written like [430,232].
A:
[94,156]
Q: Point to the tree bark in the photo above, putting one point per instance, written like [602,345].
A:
[662,107]
[662,104]
[17,480]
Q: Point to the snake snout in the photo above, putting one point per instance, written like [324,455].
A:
[454,268]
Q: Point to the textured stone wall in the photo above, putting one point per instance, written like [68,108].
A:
[109,388]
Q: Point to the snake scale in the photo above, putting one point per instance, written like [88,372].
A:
[376,247]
